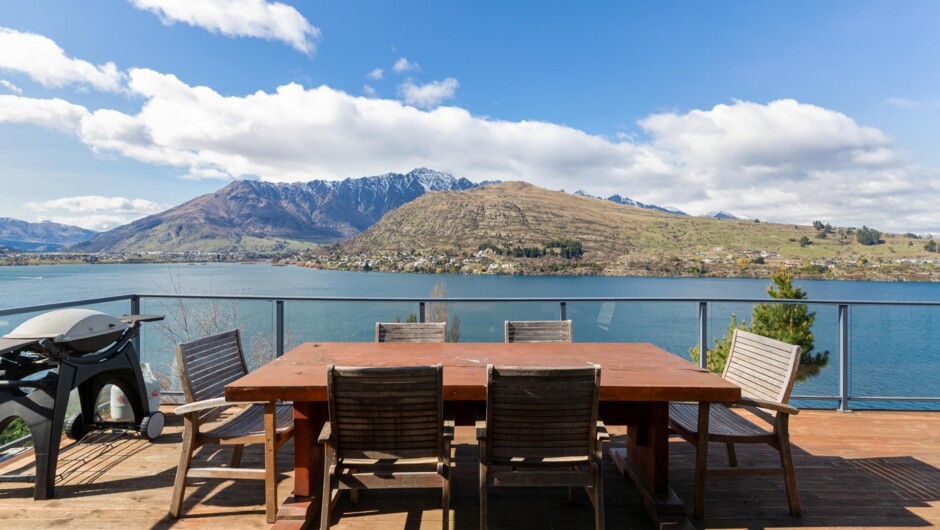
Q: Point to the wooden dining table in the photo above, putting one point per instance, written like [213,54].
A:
[638,381]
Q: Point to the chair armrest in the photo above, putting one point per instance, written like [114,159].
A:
[450,425]
[602,433]
[480,414]
[326,433]
[481,429]
[206,404]
[770,405]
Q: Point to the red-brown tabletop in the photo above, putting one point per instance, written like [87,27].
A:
[637,383]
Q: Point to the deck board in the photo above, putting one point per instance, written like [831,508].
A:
[859,469]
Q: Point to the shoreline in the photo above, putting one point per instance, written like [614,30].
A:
[891,272]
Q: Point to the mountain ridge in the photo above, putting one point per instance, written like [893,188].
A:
[518,228]
[250,215]
[45,236]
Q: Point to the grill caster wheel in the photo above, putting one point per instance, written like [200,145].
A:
[75,427]
[152,426]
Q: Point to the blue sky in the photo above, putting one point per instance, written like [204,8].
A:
[111,110]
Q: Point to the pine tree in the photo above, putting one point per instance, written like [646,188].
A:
[790,323]
[718,356]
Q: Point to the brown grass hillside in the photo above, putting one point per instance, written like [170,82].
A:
[620,239]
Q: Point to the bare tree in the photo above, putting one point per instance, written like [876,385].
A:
[437,312]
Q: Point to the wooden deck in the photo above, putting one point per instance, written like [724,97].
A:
[859,469]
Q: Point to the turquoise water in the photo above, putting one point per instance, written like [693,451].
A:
[894,350]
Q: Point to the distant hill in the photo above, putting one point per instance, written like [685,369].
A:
[40,237]
[722,215]
[627,201]
[501,228]
[259,216]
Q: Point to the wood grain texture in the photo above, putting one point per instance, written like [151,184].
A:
[631,371]
[410,331]
[870,469]
[538,331]
[766,370]
[538,419]
[386,430]
[206,366]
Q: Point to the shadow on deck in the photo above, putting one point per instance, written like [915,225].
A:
[861,469]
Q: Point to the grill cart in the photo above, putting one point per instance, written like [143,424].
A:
[46,357]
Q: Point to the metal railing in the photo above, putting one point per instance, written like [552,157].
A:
[843,398]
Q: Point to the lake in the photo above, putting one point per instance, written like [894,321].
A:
[894,350]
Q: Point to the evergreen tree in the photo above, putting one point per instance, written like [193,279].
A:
[868,236]
[790,323]
[718,356]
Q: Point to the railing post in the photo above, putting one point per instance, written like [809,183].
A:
[703,334]
[422,311]
[564,310]
[135,310]
[278,328]
[843,358]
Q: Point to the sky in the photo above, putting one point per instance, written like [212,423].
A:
[784,111]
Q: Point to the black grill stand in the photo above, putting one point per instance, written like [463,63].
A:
[42,402]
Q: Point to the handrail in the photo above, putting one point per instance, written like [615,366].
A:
[843,398]
[61,305]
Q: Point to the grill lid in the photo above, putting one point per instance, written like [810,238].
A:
[69,325]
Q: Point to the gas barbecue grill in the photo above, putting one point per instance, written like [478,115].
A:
[46,357]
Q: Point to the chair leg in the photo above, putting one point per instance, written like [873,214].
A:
[445,493]
[701,459]
[599,495]
[270,461]
[328,469]
[483,480]
[445,504]
[732,456]
[786,460]
[237,455]
[186,458]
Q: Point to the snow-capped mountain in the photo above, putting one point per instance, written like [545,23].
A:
[254,215]
[627,201]
[722,215]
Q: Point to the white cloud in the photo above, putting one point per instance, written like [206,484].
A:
[376,74]
[783,160]
[240,18]
[55,113]
[11,87]
[43,60]
[429,95]
[93,211]
[904,103]
[403,65]
[368,90]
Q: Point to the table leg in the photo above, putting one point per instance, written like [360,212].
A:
[304,504]
[646,461]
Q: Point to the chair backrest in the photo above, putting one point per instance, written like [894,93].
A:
[387,413]
[538,331]
[410,331]
[541,412]
[208,364]
[764,368]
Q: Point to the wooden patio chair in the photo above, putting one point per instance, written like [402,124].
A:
[386,430]
[541,429]
[538,331]
[765,369]
[410,331]
[206,366]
